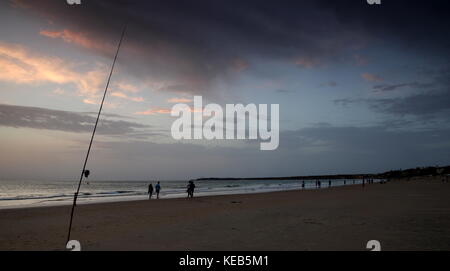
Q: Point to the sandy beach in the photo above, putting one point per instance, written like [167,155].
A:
[402,215]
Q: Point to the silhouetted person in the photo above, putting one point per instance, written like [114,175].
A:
[303,184]
[364,182]
[319,183]
[345,182]
[190,189]
[157,189]
[329,183]
[86,173]
[150,191]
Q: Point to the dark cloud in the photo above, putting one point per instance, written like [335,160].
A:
[426,101]
[329,84]
[371,139]
[380,146]
[392,87]
[429,105]
[426,104]
[348,101]
[111,115]
[283,91]
[196,42]
[322,149]
[413,24]
[48,119]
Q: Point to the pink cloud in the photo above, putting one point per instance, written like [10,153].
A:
[18,65]
[89,101]
[307,62]
[96,101]
[371,77]
[77,38]
[155,111]
[160,110]
[127,87]
[126,97]
[179,100]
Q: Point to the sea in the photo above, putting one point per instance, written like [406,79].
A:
[29,193]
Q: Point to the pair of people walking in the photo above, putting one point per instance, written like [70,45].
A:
[157,190]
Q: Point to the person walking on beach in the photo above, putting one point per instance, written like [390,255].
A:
[303,184]
[190,189]
[150,191]
[157,189]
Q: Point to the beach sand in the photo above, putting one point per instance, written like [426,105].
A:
[402,215]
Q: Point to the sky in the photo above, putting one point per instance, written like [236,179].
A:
[361,88]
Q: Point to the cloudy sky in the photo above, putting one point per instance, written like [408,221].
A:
[361,88]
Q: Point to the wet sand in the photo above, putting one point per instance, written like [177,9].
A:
[402,215]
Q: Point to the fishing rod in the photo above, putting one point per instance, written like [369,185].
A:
[84,172]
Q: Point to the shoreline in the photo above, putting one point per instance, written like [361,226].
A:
[67,201]
[111,200]
[403,215]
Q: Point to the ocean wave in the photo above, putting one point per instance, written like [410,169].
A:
[65,196]
[131,191]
